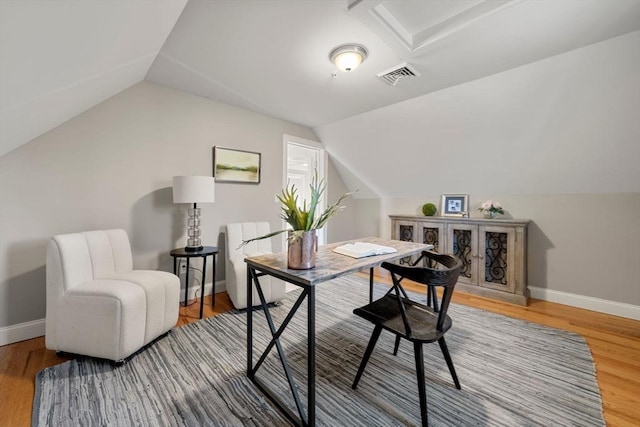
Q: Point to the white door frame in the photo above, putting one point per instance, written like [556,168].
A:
[322,171]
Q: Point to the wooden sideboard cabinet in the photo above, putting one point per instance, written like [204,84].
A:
[493,251]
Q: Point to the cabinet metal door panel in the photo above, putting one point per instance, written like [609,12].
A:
[462,241]
[496,250]
[408,232]
[432,233]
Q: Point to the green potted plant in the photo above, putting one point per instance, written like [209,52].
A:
[304,221]
[429,209]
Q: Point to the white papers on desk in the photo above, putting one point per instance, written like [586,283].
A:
[363,249]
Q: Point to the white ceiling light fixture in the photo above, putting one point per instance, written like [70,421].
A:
[347,57]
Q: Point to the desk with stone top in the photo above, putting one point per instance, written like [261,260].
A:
[329,265]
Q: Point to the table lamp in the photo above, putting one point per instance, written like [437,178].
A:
[193,189]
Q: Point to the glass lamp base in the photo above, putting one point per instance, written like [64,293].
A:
[194,244]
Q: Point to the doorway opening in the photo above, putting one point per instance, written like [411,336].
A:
[304,158]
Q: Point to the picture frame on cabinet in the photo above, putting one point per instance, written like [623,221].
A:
[237,166]
[455,205]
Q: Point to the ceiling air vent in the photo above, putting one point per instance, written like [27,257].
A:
[400,72]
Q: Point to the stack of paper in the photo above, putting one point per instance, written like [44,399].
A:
[363,249]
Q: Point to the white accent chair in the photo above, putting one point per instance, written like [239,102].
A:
[236,270]
[97,305]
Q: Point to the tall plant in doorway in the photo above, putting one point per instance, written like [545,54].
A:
[304,218]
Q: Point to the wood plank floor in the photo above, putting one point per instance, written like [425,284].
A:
[614,344]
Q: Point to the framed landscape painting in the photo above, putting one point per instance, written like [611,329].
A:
[231,165]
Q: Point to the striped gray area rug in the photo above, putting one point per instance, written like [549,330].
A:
[513,373]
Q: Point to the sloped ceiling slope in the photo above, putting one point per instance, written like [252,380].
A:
[60,58]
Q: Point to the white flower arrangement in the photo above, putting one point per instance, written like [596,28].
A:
[491,207]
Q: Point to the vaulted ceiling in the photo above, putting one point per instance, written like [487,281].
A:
[60,58]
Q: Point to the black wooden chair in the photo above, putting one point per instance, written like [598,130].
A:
[411,320]
[432,294]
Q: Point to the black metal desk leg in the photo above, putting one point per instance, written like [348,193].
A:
[311,355]
[249,324]
[204,269]
[175,259]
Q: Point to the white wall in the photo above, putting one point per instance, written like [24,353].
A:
[112,167]
[556,141]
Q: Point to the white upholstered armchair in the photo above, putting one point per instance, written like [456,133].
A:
[97,305]
[236,269]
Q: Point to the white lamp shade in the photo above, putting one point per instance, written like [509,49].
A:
[193,189]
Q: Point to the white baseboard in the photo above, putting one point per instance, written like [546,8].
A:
[22,331]
[614,308]
[194,291]
[221,286]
